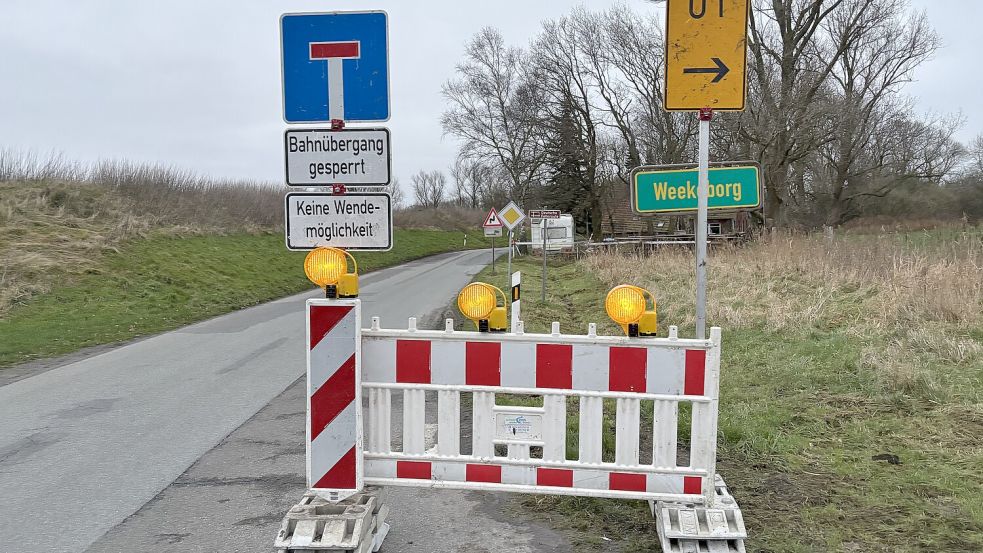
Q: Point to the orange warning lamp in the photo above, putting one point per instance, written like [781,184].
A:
[328,268]
[626,305]
[478,301]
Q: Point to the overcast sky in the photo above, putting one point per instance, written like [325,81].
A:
[196,84]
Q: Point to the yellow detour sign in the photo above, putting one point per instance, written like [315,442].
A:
[706,59]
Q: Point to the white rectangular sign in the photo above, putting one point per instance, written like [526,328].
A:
[319,157]
[349,221]
[493,231]
[544,213]
[518,426]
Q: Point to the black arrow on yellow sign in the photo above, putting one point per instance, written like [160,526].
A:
[721,70]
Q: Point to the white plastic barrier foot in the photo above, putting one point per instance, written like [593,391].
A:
[694,528]
[354,525]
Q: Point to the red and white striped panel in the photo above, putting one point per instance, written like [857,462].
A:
[518,364]
[547,480]
[334,452]
[540,362]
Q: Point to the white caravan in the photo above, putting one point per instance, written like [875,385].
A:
[559,234]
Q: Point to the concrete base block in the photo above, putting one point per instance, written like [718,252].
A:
[356,524]
[694,528]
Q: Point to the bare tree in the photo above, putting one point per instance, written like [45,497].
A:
[886,47]
[569,116]
[825,115]
[428,188]
[790,64]
[976,152]
[625,56]
[491,107]
[472,182]
[396,192]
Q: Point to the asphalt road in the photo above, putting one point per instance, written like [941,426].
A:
[144,447]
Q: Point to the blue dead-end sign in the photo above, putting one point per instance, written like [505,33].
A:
[335,66]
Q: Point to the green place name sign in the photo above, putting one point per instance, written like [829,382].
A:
[665,190]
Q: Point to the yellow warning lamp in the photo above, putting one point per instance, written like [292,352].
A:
[479,302]
[328,268]
[626,305]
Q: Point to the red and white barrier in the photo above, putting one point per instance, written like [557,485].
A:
[334,440]
[548,368]
[519,386]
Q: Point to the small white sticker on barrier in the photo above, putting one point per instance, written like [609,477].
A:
[518,426]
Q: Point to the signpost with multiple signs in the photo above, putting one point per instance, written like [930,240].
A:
[336,69]
[493,227]
[511,216]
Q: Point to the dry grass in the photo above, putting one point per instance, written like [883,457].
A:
[57,217]
[907,297]
[839,353]
[50,232]
[449,217]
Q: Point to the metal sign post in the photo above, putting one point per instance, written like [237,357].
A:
[511,216]
[706,69]
[510,253]
[545,221]
[493,227]
[516,300]
[703,194]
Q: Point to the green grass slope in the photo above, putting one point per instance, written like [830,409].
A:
[164,281]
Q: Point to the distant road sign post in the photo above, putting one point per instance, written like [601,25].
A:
[335,66]
[349,221]
[323,157]
[544,213]
[493,223]
[672,189]
[706,69]
[511,216]
[545,222]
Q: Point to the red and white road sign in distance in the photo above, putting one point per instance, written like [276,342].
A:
[544,213]
[492,220]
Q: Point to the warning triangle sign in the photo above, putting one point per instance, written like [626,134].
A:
[492,220]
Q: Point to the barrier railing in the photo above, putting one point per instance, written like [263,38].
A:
[517,412]
[524,448]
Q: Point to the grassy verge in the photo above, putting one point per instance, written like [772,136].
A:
[852,380]
[165,281]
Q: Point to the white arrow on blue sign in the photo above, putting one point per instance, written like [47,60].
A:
[335,66]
